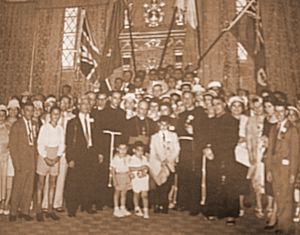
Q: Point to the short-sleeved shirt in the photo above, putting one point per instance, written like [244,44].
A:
[120,164]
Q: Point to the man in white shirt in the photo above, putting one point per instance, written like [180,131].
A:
[50,148]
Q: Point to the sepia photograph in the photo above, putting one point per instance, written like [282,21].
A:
[159,117]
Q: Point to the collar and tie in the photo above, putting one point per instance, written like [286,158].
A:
[87,132]
[30,133]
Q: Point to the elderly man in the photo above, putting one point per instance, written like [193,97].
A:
[282,163]
[82,155]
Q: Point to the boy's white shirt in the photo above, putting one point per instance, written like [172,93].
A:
[120,164]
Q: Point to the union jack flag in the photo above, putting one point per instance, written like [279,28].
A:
[88,51]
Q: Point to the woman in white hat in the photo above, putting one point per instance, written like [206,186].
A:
[13,108]
[4,154]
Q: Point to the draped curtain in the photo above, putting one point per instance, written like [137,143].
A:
[281,24]
[48,50]
[16,37]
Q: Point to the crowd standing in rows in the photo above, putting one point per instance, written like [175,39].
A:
[160,140]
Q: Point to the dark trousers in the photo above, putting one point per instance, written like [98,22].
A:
[222,199]
[189,177]
[82,184]
[22,191]
[283,192]
[160,194]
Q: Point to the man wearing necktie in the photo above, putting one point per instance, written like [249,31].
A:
[66,116]
[22,144]
[83,157]
[282,164]
[164,152]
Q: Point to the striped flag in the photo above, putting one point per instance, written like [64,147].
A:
[88,51]
[189,7]
[192,39]
[249,32]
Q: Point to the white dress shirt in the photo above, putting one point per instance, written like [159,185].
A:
[29,130]
[50,136]
[86,126]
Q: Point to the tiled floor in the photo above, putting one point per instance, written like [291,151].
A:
[103,222]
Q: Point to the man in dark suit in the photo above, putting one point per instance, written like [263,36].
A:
[127,85]
[82,154]
[282,164]
[22,145]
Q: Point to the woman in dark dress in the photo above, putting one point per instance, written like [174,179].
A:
[222,196]
[236,106]
[269,121]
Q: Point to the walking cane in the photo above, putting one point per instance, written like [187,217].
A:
[203,181]
[112,142]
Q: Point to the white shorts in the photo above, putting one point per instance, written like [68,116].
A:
[43,169]
[140,184]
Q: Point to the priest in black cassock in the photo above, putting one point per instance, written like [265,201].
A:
[82,154]
[111,119]
[192,132]
[222,199]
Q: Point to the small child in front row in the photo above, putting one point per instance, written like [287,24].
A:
[121,180]
[139,168]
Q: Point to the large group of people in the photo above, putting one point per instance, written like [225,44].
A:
[158,140]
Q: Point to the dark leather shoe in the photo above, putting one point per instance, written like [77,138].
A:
[194,213]
[12,218]
[230,222]
[181,208]
[52,215]
[26,217]
[70,214]
[165,210]
[91,211]
[270,227]
[40,217]
[60,210]
[279,231]
[157,209]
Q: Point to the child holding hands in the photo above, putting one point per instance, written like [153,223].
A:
[121,180]
[139,168]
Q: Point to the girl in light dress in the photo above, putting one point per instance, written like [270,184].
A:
[4,155]
[121,180]
[256,144]
[139,168]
